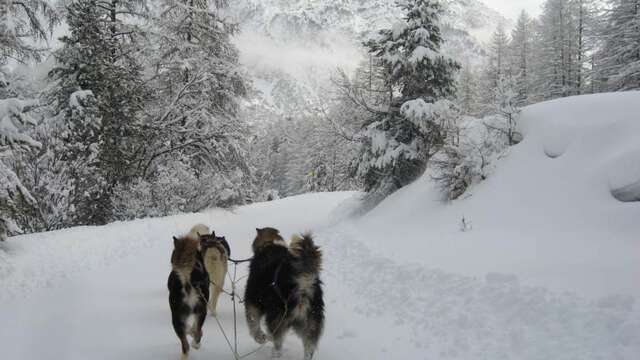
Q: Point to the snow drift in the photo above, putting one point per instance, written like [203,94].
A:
[559,211]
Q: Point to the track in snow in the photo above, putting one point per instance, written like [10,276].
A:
[106,298]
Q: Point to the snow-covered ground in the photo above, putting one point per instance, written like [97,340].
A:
[547,214]
[549,269]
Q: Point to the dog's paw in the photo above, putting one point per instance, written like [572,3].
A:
[276,353]
[260,338]
[195,345]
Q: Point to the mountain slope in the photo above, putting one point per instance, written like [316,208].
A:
[292,48]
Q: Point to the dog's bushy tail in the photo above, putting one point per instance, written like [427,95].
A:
[307,253]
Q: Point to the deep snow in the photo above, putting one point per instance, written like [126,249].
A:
[547,214]
[548,270]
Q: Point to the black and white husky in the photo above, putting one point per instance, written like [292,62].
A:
[284,287]
[188,288]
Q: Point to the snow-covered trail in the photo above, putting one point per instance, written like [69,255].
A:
[450,316]
[106,298]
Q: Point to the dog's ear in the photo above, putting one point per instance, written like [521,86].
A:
[213,233]
[258,230]
[175,241]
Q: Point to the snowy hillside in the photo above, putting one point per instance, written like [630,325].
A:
[547,269]
[292,20]
[549,213]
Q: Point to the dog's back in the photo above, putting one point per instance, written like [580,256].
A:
[270,281]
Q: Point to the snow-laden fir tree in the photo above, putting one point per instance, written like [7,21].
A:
[399,140]
[98,90]
[47,176]
[620,54]
[498,65]
[586,16]
[521,52]
[23,25]
[16,202]
[469,94]
[196,143]
[558,61]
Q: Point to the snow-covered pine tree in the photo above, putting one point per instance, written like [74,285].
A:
[31,21]
[16,202]
[498,65]
[398,141]
[558,68]
[99,91]
[47,176]
[193,125]
[410,53]
[521,52]
[595,39]
[469,93]
[23,24]
[620,53]
[586,14]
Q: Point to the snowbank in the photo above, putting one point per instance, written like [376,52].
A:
[560,211]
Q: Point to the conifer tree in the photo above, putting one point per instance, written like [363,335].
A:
[398,141]
[558,57]
[31,23]
[521,52]
[16,202]
[193,121]
[498,65]
[99,91]
[620,53]
[469,92]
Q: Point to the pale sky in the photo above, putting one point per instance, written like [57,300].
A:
[512,8]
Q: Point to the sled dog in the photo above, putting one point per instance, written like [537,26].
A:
[188,288]
[284,287]
[216,252]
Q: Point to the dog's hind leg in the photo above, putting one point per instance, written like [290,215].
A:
[216,290]
[309,348]
[179,327]
[185,347]
[310,335]
[197,329]
[216,264]
[278,329]
[254,315]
